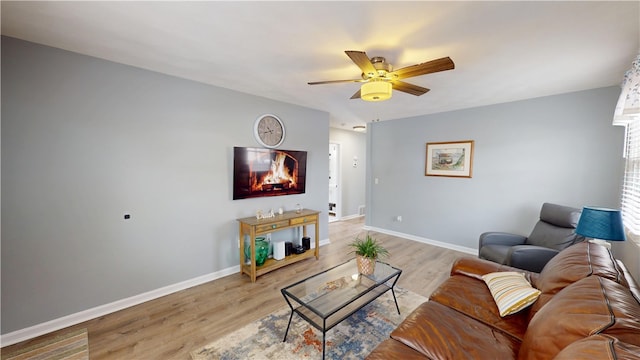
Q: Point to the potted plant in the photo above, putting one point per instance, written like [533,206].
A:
[367,251]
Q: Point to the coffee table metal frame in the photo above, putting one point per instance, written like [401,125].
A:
[327,298]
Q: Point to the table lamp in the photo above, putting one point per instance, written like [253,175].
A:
[601,224]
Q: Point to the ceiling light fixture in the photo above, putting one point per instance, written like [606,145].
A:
[359,128]
[376,90]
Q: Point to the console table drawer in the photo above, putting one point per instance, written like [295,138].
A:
[272,226]
[304,219]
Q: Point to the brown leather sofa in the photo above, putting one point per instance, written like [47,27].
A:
[589,308]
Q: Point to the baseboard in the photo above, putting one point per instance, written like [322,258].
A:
[441,244]
[89,314]
[351,217]
[323,243]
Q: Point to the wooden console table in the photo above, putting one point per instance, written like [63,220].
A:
[252,227]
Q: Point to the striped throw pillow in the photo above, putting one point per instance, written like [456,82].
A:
[511,291]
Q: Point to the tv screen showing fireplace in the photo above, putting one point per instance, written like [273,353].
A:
[259,172]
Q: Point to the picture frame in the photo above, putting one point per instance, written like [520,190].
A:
[450,158]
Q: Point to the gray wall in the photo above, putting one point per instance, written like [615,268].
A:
[86,140]
[560,149]
[353,179]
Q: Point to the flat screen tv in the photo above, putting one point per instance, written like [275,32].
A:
[260,172]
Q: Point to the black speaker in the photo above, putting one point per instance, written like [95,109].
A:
[306,242]
[288,246]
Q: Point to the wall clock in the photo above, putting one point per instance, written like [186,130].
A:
[269,130]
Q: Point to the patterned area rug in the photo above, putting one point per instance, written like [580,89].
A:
[70,346]
[354,338]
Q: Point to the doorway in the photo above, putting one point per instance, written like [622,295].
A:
[335,206]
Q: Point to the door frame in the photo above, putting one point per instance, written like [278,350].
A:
[338,208]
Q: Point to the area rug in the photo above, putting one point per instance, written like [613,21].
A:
[70,346]
[354,338]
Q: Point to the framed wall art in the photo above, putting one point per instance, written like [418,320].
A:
[452,158]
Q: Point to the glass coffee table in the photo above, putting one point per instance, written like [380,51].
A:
[327,298]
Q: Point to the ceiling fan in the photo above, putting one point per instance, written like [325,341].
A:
[379,77]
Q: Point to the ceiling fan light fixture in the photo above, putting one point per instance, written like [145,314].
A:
[375,90]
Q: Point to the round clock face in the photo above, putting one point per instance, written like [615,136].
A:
[269,131]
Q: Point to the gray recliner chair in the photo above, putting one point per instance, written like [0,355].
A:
[554,232]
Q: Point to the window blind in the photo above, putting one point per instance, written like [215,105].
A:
[631,184]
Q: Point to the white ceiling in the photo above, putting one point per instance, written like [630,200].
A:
[503,51]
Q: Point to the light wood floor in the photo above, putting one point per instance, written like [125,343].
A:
[172,326]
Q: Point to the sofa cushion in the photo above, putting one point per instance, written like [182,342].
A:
[599,347]
[511,291]
[559,215]
[575,263]
[439,332]
[471,297]
[572,264]
[556,221]
[587,307]
[625,313]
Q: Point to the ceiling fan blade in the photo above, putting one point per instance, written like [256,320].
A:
[428,67]
[409,88]
[362,60]
[335,81]
[356,95]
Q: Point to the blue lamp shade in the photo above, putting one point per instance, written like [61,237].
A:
[600,223]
